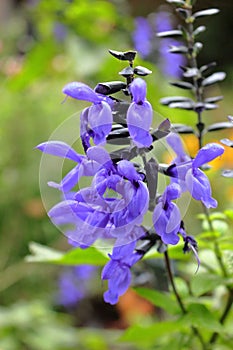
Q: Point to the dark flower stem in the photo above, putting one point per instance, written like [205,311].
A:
[199,94]
[178,297]
[200,127]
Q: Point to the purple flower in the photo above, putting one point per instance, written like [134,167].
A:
[96,121]
[85,167]
[187,171]
[139,115]
[74,284]
[142,36]
[170,63]
[117,271]
[112,207]
[166,216]
[60,31]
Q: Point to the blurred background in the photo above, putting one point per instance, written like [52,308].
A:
[43,46]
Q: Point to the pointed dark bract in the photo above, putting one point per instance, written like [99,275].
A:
[182,129]
[142,71]
[227,142]
[219,126]
[169,33]
[127,72]
[199,30]
[182,85]
[123,56]
[167,100]
[214,78]
[110,87]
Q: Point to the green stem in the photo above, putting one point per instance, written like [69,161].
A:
[225,313]
[178,298]
[199,94]
[217,251]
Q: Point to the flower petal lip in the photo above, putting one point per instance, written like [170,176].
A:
[60,149]
[139,119]
[100,120]
[207,153]
[81,91]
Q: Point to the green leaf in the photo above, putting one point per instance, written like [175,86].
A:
[229,213]
[199,316]
[162,300]
[144,335]
[77,256]
[203,283]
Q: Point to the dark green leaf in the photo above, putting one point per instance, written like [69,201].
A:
[182,85]
[219,126]
[214,78]
[162,300]
[78,256]
[142,71]
[199,30]
[207,12]
[227,142]
[123,56]
[169,33]
[167,100]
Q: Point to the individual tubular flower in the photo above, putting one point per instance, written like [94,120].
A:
[96,121]
[85,167]
[139,115]
[142,36]
[170,63]
[166,216]
[117,271]
[188,174]
[74,284]
[112,207]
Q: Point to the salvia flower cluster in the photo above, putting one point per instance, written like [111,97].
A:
[122,191]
